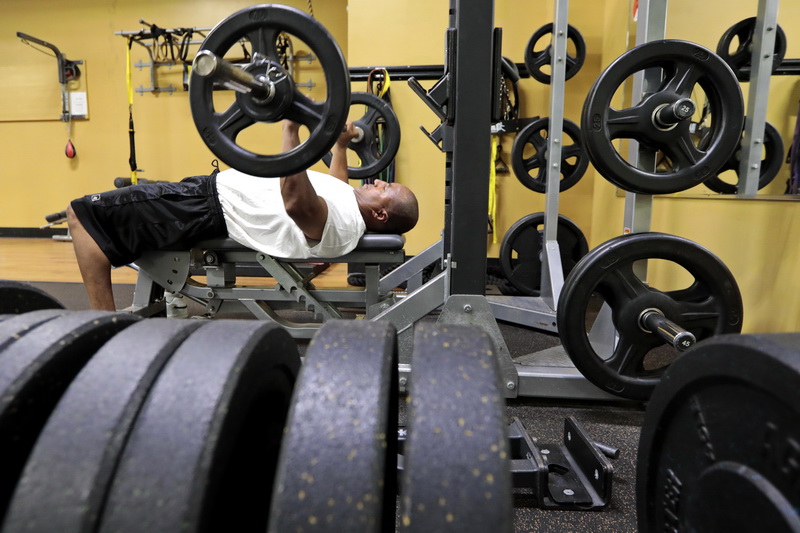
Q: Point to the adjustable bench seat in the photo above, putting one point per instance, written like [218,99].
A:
[219,260]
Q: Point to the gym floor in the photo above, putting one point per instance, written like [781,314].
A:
[50,265]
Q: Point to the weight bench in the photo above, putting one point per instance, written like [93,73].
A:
[222,260]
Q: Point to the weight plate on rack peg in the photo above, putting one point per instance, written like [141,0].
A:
[523,245]
[529,153]
[456,475]
[338,462]
[538,60]
[661,121]
[378,140]
[202,452]
[739,58]
[75,457]
[35,370]
[257,29]
[771,162]
[18,297]
[603,303]
[720,439]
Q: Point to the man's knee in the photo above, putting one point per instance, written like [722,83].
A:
[72,218]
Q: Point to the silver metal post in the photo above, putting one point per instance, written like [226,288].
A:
[639,208]
[760,74]
[552,271]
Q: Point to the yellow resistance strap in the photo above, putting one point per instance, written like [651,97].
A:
[493,188]
[132,160]
[386,82]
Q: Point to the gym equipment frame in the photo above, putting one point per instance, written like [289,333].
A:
[457,287]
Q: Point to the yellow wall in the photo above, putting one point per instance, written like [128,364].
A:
[754,238]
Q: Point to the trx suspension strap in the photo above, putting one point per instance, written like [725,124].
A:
[131,132]
[493,188]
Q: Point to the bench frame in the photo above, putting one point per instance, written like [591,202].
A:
[219,260]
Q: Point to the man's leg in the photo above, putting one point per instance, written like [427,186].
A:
[94,265]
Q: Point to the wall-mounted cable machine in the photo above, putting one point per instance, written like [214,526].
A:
[68,70]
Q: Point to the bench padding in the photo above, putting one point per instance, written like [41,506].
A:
[369,242]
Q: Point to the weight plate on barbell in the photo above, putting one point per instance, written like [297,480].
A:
[66,478]
[537,60]
[720,439]
[35,370]
[202,452]
[689,73]
[338,462]
[699,294]
[530,153]
[380,138]
[17,297]
[740,57]
[771,162]
[523,245]
[456,474]
[260,26]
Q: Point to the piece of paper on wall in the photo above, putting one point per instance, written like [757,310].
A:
[78,104]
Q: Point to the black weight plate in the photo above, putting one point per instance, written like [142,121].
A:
[202,452]
[18,297]
[64,483]
[261,25]
[15,326]
[34,373]
[574,160]
[710,305]
[740,58]
[522,247]
[457,474]
[338,463]
[379,117]
[535,60]
[721,434]
[771,163]
[686,67]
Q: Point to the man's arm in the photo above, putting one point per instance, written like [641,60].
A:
[308,210]
[338,167]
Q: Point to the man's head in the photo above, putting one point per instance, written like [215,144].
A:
[387,207]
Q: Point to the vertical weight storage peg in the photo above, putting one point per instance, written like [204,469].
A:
[654,321]
[667,116]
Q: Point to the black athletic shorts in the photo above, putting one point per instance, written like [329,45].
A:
[128,221]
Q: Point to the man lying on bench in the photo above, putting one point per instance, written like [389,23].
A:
[308,214]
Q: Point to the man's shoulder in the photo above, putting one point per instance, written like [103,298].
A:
[326,182]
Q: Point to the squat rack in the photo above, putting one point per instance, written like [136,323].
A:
[460,99]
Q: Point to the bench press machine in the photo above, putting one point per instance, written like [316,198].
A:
[220,261]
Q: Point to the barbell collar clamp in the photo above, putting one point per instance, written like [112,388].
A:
[667,116]
[208,65]
[359,134]
[653,321]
